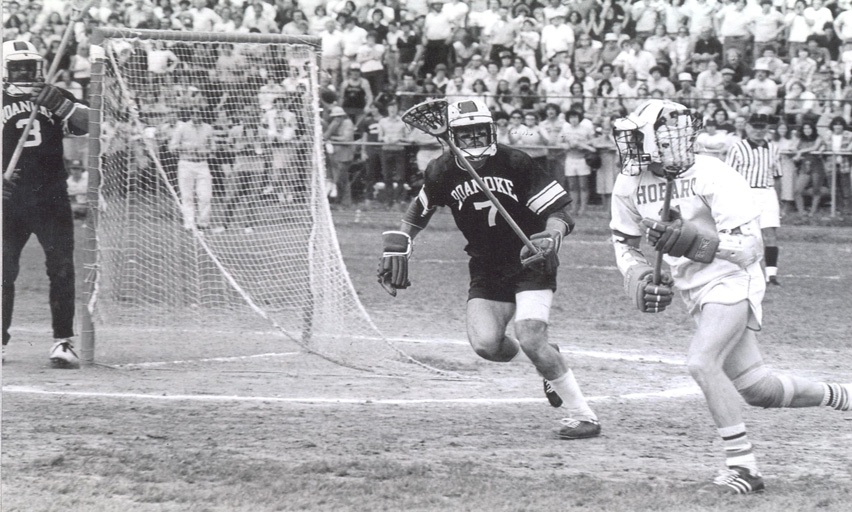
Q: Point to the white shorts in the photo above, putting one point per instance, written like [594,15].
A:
[748,284]
[533,305]
[767,201]
[576,166]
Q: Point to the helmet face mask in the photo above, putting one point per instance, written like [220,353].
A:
[472,130]
[22,68]
[658,136]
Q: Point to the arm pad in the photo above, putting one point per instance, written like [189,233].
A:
[742,245]
[417,214]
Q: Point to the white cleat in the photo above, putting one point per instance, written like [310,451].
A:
[62,355]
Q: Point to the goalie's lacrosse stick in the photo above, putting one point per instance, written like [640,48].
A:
[431,117]
[78,8]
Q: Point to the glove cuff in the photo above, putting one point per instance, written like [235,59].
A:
[632,277]
[397,243]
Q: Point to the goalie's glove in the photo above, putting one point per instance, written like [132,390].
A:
[647,296]
[678,237]
[393,268]
[546,259]
[51,98]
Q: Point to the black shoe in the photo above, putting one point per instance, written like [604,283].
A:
[774,280]
[578,429]
[551,394]
[736,480]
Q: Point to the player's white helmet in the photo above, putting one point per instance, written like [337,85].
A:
[472,130]
[22,67]
[658,135]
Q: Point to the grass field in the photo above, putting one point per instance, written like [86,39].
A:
[252,423]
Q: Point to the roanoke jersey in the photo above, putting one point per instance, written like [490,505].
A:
[41,156]
[527,193]
[710,194]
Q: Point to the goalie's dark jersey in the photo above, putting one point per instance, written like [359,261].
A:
[41,158]
[522,187]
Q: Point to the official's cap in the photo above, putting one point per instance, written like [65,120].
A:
[760,119]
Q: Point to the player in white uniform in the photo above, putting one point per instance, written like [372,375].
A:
[712,244]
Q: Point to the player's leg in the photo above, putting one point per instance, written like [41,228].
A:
[16,232]
[486,329]
[770,220]
[721,328]
[583,183]
[532,316]
[55,233]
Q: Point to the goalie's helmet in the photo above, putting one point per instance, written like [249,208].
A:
[22,67]
[471,127]
[659,135]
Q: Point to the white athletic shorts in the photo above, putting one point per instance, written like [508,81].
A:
[748,284]
[770,212]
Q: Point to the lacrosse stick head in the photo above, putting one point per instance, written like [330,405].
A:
[660,136]
[23,67]
[429,117]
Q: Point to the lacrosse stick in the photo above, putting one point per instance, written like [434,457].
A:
[431,117]
[78,8]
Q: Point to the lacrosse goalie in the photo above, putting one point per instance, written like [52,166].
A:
[501,287]
[35,192]
[711,241]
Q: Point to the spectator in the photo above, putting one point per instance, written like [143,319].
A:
[319,21]
[162,62]
[437,34]
[709,81]
[139,13]
[586,55]
[819,54]
[353,38]
[479,91]
[78,188]
[577,137]
[281,124]
[787,141]
[557,37]
[355,92]
[249,168]
[408,45]
[843,25]
[500,35]
[555,88]
[465,48]
[474,71]
[501,126]
[688,95]
[81,67]
[628,90]
[767,28]
[799,105]
[193,141]
[817,16]
[811,175]
[645,14]
[763,92]
[332,50]
[531,134]
[723,122]
[378,24]
[528,41]
[735,28]
[609,168]
[612,15]
[203,17]
[659,44]
[838,165]
[551,127]
[610,50]
[370,57]
[798,28]
[298,25]
[733,60]
[440,78]
[519,69]
[711,141]
[661,83]
[633,57]
[707,47]
[456,90]
[260,15]
[773,63]
[367,131]
[682,50]
[802,68]
[67,82]
[340,156]
[392,132]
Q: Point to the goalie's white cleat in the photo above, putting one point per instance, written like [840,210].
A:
[62,355]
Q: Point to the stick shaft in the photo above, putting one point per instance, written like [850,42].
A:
[54,65]
[667,203]
[491,197]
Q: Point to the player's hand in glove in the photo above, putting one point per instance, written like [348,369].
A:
[393,268]
[51,98]
[548,243]
[647,296]
[678,237]
[9,186]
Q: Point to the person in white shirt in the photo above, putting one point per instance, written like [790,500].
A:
[555,88]
[766,28]
[798,28]
[734,28]
[193,140]
[332,50]
[817,15]
[557,37]
[203,17]
[843,25]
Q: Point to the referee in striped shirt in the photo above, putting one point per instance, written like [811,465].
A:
[758,160]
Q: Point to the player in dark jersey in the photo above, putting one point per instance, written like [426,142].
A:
[35,197]
[501,287]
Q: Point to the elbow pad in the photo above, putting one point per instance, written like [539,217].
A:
[742,245]
[418,214]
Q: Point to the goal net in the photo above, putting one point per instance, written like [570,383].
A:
[211,228]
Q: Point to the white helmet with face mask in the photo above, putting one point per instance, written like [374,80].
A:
[22,68]
[472,130]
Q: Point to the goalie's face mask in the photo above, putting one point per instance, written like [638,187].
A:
[22,68]
[476,141]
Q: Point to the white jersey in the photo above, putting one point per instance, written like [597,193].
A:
[711,195]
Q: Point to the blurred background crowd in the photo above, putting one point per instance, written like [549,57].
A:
[555,73]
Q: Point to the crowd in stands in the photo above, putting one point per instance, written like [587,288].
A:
[555,73]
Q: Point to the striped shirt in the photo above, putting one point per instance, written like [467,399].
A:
[759,163]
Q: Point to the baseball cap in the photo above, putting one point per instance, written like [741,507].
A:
[610,37]
[684,77]
[337,111]
[761,67]
[728,71]
[760,120]
[354,67]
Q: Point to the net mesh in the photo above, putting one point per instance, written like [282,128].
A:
[212,214]
[429,116]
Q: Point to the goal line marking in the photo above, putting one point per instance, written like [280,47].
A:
[654,395]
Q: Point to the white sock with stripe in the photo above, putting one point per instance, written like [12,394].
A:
[838,396]
[572,398]
[738,449]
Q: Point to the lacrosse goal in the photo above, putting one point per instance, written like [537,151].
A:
[242,243]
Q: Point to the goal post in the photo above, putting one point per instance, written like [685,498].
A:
[209,222]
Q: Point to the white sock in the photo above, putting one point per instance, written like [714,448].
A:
[572,398]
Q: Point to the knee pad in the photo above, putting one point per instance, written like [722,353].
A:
[762,388]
